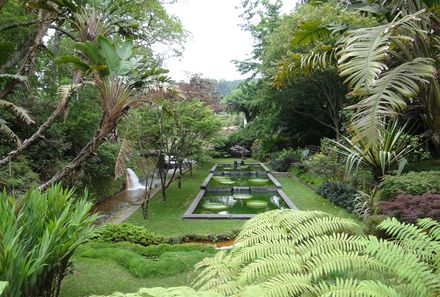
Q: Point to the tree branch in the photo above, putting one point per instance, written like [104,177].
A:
[16,25]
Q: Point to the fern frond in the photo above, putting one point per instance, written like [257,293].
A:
[376,289]
[8,132]
[262,269]
[287,285]
[212,272]
[263,250]
[431,227]
[341,287]
[321,226]
[411,238]
[405,265]
[322,244]
[340,262]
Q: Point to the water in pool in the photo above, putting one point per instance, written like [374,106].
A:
[239,203]
[253,179]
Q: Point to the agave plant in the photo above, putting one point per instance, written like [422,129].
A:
[38,234]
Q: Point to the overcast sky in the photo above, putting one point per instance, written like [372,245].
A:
[216,38]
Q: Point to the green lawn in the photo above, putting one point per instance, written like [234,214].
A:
[166,217]
[104,268]
[102,277]
[307,199]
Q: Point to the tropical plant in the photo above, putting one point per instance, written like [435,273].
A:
[38,234]
[307,253]
[388,152]
[386,66]
[18,111]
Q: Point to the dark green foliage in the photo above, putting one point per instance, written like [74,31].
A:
[409,208]
[284,159]
[339,193]
[38,234]
[415,183]
[18,176]
[426,165]
[140,261]
[198,237]
[128,232]
[97,174]
[309,178]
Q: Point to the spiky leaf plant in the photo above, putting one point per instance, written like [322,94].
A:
[38,234]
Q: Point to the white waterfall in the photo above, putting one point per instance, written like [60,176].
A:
[133,183]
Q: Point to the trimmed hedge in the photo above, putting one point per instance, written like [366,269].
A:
[414,183]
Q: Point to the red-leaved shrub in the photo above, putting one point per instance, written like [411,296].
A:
[409,208]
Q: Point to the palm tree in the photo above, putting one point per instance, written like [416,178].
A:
[110,67]
[387,66]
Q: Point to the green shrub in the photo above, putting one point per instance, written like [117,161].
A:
[426,165]
[283,160]
[151,261]
[339,193]
[309,178]
[18,176]
[415,183]
[197,237]
[38,234]
[128,232]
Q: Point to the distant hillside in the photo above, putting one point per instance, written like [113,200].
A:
[225,87]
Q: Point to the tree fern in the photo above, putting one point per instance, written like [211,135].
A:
[312,254]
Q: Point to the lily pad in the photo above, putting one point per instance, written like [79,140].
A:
[242,196]
[220,178]
[226,182]
[228,168]
[258,181]
[214,206]
[256,204]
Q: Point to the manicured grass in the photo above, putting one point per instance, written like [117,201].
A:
[104,268]
[166,217]
[103,277]
[307,199]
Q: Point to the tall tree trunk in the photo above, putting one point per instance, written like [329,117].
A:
[179,185]
[83,155]
[64,103]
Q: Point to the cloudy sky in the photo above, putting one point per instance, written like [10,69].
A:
[216,38]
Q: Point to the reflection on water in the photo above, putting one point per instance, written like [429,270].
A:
[258,203]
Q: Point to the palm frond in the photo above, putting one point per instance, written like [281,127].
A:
[364,51]
[387,96]
[22,113]
[309,32]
